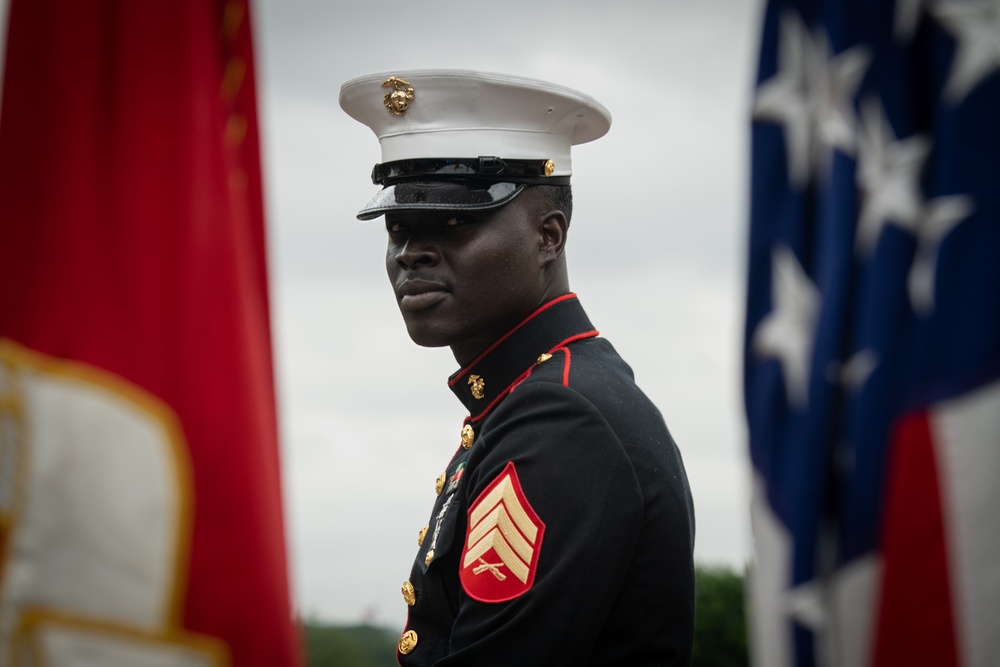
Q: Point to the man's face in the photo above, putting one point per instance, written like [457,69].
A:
[463,279]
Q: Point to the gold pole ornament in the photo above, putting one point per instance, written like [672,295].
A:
[399,100]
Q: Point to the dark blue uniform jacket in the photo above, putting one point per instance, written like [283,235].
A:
[563,529]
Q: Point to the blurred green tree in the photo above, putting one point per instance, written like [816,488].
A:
[720,626]
[348,646]
[720,638]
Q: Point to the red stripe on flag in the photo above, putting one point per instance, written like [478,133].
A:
[915,623]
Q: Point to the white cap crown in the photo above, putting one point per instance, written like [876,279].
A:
[463,114]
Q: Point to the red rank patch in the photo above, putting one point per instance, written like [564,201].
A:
[503,541]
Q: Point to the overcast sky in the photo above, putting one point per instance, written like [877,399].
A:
[656,254]
[655,251]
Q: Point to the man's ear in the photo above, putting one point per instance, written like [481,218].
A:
[553,229]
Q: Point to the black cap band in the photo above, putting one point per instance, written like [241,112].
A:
[489,168]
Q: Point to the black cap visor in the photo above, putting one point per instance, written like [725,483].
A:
[450,195]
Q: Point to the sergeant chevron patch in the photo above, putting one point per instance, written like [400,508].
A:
[502,543]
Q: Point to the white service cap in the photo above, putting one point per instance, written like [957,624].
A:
[458,139]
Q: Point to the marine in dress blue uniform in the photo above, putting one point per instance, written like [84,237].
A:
[562,529]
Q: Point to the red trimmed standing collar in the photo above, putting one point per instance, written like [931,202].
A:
[491,375]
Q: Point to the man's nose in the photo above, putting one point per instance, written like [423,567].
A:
[419,250]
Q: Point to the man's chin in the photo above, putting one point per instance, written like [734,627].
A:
[424,337]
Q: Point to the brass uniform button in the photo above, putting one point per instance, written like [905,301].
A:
[439,483]
[407,642]
[409,594]
[429,557]
[468,436]
[421,535]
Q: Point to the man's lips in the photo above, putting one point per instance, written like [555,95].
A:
[418,294]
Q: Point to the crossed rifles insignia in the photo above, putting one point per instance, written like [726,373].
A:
[504,533]
[493,568]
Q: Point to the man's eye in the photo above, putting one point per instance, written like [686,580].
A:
[455,222]
[395,227]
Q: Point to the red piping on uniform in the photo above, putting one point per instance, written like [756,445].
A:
[571,339]
[405,628]
[524,376]
[503,393]
[566,368]
[475,361]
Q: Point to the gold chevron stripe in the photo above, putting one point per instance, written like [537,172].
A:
[500,519]
[495,540]
[504,492]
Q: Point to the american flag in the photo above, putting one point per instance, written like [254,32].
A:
[872,341]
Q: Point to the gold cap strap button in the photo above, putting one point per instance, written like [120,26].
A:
[409,594]
[407,642]
[468,436]
[421,535]
[439,483]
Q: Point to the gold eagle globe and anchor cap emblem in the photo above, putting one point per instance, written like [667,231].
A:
[398,100]
[478,385]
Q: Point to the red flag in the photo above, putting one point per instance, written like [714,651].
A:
[140,506]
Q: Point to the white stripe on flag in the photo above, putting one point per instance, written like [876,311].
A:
[770,636]
[967,443]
